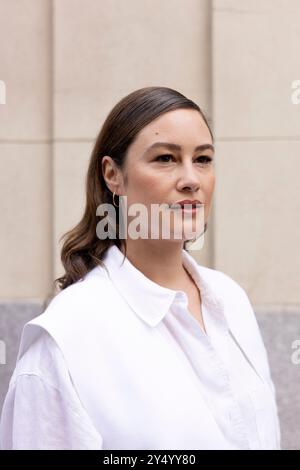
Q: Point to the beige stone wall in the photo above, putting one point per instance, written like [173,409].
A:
[65,63]
[25,149]
[257,200]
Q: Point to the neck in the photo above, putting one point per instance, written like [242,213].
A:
[159,260]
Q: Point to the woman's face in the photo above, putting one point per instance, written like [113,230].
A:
[157,174]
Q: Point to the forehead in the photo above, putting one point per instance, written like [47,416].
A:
[185,127]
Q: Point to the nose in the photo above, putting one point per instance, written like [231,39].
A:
[188,179]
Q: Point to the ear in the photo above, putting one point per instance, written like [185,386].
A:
[111,174]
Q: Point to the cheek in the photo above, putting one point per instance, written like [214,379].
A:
[210,186]
[146,182]
[209,190]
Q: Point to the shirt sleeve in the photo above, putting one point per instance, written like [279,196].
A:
[269,377]
[44,411]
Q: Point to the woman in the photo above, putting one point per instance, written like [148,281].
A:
[143,348]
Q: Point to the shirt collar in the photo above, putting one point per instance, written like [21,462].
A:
[149,300]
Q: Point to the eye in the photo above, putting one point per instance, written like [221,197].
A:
[205,159]
[166,156]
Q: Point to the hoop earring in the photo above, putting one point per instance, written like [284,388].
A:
[114,200]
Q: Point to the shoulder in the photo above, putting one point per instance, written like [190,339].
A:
[73,310]
[91,286]
[43,360]
[232,297]
[93,292]
[223,284]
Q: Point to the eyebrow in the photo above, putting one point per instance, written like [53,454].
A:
[172,146]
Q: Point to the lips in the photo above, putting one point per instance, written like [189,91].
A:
[186,204]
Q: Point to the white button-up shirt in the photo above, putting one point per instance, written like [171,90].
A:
[117,361]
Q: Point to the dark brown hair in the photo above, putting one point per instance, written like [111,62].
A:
[82,250]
